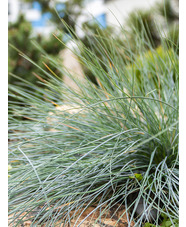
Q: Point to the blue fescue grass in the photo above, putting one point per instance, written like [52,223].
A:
[122,137]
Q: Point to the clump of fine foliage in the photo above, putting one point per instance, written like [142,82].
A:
[115,138]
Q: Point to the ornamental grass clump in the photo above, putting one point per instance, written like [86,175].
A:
[114,146]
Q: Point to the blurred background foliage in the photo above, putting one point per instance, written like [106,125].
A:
[70,10]
[166,10]
[38,48]
[141,25]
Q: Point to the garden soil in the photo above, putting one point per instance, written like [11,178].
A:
[112,218]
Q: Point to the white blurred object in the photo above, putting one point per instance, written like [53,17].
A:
[13,10]
[92,9]
[118,10]
[33,15]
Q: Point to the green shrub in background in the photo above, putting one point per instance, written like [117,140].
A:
[155,61]
[21,40]
[166,9]
[171,18]
[19,35]
[140,27]
[141,24]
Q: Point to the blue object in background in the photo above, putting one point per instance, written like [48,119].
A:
[60,7]
[101,20]
[42,22]
[36,5]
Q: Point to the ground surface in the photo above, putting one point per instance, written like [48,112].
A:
[109,219]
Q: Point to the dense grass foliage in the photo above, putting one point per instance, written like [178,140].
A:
[101,144]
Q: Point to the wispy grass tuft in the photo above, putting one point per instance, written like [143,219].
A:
[100,145]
